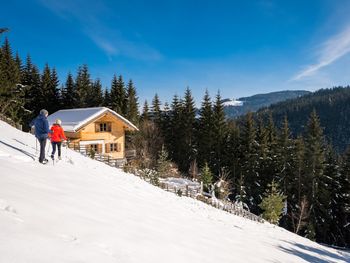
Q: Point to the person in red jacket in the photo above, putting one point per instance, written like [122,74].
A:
[57,136]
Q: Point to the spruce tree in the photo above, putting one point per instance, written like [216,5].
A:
[54,99]
[187,124]
[83,86]
[176,130]
[132,103]
[156,111]
[249,163]
[272,203]
[95,97]
[342,202]
[145,112]
[69,96]
[49,90]
[206,177]
[205,135]
[220,134]
[314,170]
[334,226]
[232,154]
[10,76]
[117,95]
[107,98]
[34,95]
[163,164]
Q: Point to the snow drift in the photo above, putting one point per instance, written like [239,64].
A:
[81,210]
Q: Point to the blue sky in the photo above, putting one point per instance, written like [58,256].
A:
[238,47]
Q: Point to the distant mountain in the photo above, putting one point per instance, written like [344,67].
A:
[235,108]
[332,106]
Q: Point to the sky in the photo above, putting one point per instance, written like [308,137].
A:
[239,48]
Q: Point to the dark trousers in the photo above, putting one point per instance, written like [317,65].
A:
[54,144]
[42,149]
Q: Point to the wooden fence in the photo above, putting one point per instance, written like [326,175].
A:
[87,151]
[197,193]
[184,190]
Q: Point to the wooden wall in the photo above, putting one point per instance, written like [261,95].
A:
[117,134]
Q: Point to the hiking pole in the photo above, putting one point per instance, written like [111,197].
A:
[48,149]
[36,146]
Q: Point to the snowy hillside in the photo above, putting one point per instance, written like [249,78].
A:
[80,210]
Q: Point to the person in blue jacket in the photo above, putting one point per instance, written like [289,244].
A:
[42,131]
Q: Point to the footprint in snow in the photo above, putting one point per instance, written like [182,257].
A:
[10,210]
[68,238]
[6,207]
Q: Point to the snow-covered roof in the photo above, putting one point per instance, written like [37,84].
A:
[75,119]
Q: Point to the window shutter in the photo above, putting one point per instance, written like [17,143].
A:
[97,127]
[109,126]
[107,147]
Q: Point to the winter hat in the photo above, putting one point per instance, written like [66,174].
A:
[58,121]
[44,112]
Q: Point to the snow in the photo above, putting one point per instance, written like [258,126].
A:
[74,119]
[81,210]
[233,103]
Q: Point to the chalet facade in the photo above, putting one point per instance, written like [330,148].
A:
[99,130]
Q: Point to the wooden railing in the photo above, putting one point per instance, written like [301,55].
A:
[87,151]
[184,190]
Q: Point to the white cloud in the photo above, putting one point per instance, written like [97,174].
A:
[330,51]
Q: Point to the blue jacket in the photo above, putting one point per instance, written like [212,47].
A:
[41,127]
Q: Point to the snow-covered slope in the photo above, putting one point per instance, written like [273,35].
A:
[80,210]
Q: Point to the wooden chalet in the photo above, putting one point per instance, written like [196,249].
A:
[99,130]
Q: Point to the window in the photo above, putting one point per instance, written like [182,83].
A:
[93,147]
[113,147]
[103,127]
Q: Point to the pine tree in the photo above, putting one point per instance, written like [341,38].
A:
[49,90]
[55,92]
[95,97]
[166,126]
[314,169]
[205,135]
[163,163]
[10,77]
[187,124]
[249,163]
[145,112]
[118,97]
[272,203]
[176,130]
[220,133]
[132,103]
[206,177]
[68,99]
[107,98]
[232,154]
[156,111]
[263,165]
[333,228]
[83,86]
[341,203]
[34,95]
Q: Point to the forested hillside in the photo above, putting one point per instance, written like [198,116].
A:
[258,101]
[332,106]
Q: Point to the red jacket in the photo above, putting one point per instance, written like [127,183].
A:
[57,133]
